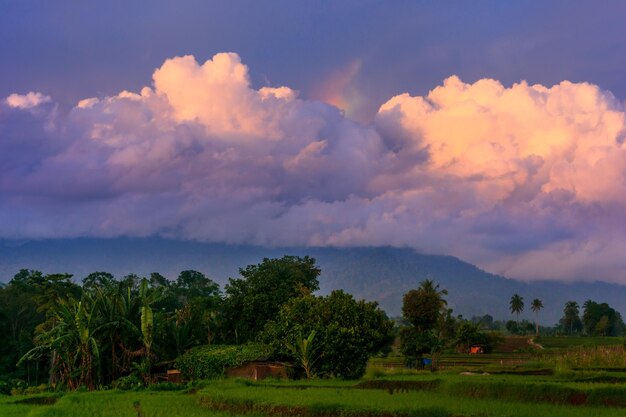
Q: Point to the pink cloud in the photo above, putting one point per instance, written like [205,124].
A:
[524,180]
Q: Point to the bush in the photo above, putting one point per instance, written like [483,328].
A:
[209,362]
[5,388]
[12,386]
[167,386]
[129,382]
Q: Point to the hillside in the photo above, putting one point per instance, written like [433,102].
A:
[382,274]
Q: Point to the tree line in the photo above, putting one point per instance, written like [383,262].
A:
[93,333]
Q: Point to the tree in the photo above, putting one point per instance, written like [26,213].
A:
[257,297]
[516,305]
[535,306]
[468,334]
[71,340]
[305,352]
[601,319]
[571,321]
[347,332]
[424,308]
[18,319]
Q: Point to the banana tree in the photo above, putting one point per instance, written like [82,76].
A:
[305,352]
[72,343]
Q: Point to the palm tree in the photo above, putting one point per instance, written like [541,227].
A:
[570,317]
[535,306]
[516,305]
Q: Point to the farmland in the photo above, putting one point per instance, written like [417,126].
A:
[150,347]
[422,394]
[498,384]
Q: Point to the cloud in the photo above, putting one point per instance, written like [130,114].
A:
[523,180]
[27,101]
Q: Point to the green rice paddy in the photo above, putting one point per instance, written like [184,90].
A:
[514,384]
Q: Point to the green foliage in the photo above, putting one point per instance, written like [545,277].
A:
[75,351]
[18,319]
[432,324]
[414,344]
[536,306]
[128,382]
[305,352]
[9,385]
[570,322]
[423,306]
[601,320]
[516,304]
[469,334]
[347,332]
[256,298]
[208,362]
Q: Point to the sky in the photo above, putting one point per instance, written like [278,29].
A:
[489,130]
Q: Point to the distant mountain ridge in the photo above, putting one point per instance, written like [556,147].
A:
[383,274]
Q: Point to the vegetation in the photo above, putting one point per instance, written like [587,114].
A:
[256,298]
[536,306]
[600,319]
[571,320]
[347,333]
[516,305]
[63,339]
[90,335]
[209,362]
[425,309]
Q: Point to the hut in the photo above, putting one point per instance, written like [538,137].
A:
[477,349]
[258,370]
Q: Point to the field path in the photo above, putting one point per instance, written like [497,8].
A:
[534,344]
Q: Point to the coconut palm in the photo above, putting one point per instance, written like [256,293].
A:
[535,306]
[516,305]
[570,315]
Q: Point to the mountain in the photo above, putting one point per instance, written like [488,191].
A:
[383,274]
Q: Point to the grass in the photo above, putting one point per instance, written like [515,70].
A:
[421,394]
[111,404]
[453,398]
[565,342]
[9,409]
[513,384]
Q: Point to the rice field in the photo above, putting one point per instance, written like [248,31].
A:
[567,379]
[419,394]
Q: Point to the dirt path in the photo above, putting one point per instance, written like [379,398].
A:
[532,343]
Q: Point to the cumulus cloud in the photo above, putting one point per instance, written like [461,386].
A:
[27,101]
[524,180]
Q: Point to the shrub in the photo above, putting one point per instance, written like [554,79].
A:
[13,386]
[209,362]
[167,386]
[128,382]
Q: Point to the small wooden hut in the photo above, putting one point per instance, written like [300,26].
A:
[477,349]
[258,370]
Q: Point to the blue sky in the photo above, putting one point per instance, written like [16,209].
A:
[71,50]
